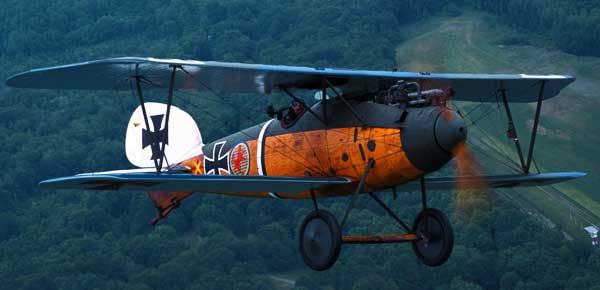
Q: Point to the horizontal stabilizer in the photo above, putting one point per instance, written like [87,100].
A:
[492,181]
[190,182]
[117,74]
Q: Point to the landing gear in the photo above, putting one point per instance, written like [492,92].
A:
[321,237]
[320,240]
[435,237]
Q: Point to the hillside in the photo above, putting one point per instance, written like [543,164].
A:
[90,240]
[475,42]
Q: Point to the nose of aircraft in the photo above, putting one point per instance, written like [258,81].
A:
[430,136]
[450,130]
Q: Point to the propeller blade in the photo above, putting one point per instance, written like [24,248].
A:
[468,200]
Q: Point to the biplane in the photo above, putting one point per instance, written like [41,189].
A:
[367,132]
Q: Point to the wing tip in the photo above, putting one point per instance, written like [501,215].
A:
[570,79]
[12,81]
[20,80]
[577,174]
[46,184]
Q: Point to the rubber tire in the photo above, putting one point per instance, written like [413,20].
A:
[330,235]
[444,235]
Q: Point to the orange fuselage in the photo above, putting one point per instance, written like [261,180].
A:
[328,152]
[404,145]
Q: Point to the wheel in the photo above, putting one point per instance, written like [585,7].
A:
[436,238]
[320,240]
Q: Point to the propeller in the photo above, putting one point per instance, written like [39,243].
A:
[471,194]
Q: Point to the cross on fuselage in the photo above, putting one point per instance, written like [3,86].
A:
[218,162]
[155,137]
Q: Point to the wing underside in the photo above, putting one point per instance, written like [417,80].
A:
[190,182]
[492,181]
[140,181]
[117,74]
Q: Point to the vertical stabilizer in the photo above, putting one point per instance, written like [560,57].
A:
[143,141]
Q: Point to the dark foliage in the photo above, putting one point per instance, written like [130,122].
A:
[102,240]
[572,25]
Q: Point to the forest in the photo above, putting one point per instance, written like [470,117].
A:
[103,240]
[569,25]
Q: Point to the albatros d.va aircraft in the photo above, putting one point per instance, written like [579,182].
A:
[367,132]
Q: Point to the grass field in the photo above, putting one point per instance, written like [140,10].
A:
[568,138]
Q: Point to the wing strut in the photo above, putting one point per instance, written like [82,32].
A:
[512,130]
[536,121]
[142,103]
[324,98]
[169,103]
[159,141]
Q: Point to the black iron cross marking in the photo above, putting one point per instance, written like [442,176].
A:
[155,137]
[218,162]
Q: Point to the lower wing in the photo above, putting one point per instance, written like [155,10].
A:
[145,181]
[122,180]
[492,181]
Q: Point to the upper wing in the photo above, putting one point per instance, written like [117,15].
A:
[190,182]
[116,73]
[493,181]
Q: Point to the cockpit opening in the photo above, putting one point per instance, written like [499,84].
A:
[287,115]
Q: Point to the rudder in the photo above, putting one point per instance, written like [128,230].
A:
[182,142]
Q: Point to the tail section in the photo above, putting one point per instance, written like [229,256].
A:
[143,144]
[165,202]
[144,140]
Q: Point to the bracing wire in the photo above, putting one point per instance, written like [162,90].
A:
[500,157]
[312,167]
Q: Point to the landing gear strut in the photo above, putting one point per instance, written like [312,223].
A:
[320,238]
